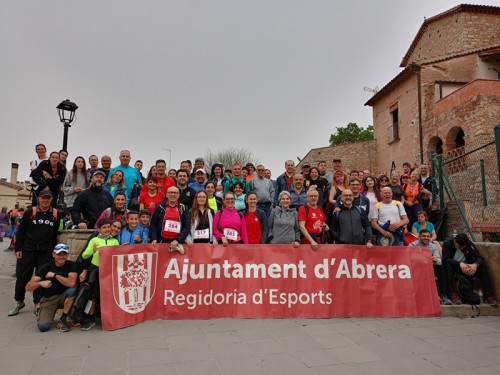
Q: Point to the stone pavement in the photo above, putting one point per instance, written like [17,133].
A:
[248,346]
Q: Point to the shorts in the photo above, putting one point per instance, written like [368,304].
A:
[49,306]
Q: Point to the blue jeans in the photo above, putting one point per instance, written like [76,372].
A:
[266,207]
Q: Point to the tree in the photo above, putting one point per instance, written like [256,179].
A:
[228,157]
[351,133]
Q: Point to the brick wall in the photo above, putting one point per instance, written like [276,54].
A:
[355,156]
[457,33]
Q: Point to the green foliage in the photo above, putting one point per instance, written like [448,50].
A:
[351,133]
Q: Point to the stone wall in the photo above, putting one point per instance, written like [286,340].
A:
[76,240]
[456,33]
[355,156]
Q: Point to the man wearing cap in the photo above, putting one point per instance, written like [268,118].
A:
[337,166]
[55,281]
[264,189]
[389,218]
[91,202]
[131,175]
[35,240]
[201,179]
[305,169]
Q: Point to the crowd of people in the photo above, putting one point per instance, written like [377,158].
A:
[236,204]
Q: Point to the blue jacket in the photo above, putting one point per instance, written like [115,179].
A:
[127,236]
[281,185]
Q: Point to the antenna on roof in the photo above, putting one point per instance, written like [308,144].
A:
[374,90]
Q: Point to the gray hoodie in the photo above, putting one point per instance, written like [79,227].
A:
[284,226]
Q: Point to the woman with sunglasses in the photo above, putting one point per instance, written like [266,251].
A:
[229,224]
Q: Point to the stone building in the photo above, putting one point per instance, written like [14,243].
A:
[12,192]
[448,93]
[445,100]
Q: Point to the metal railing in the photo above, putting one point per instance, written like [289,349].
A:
[469,186]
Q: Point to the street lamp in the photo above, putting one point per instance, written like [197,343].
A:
[169,156]
[66,110]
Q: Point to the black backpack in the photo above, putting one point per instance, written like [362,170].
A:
[463,287]
[77,311]
[133,204]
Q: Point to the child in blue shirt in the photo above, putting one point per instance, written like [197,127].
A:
[130,235]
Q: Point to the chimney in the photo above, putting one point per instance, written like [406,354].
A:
[13,173]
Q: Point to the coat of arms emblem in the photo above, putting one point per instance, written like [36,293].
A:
[134,280]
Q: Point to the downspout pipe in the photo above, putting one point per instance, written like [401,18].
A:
[415,68]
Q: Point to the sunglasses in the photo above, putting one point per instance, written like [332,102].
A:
[61,247]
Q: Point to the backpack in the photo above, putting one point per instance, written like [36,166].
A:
[77,311]
[220,215]
[326,235]
[133,204]
[54,213]
[463,287]
[338,212]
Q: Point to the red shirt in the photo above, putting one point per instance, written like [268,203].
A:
[149,202]
[164,183]
[254,230]
[171,215]
[315,219]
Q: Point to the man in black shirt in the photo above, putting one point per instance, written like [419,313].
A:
[58,280]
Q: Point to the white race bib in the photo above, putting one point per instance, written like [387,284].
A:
[201,234]
[172,226]
[230,234]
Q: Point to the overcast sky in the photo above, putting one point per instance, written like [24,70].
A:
[275,77]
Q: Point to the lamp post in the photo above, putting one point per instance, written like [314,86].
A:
[169,157]
[66,110]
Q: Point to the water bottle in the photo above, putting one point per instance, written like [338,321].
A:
[480,294]
[455,233]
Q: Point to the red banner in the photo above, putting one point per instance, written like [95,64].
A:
[144,282]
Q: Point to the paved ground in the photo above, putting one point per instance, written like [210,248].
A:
[248,346]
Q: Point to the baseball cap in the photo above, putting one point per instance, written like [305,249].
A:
[201,170]
[337,160]
[99,172]
[384,241]
[44,193]
[306,164]
[406,175]
[61,248]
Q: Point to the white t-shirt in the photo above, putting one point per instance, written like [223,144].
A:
[389,211]
[33,165]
